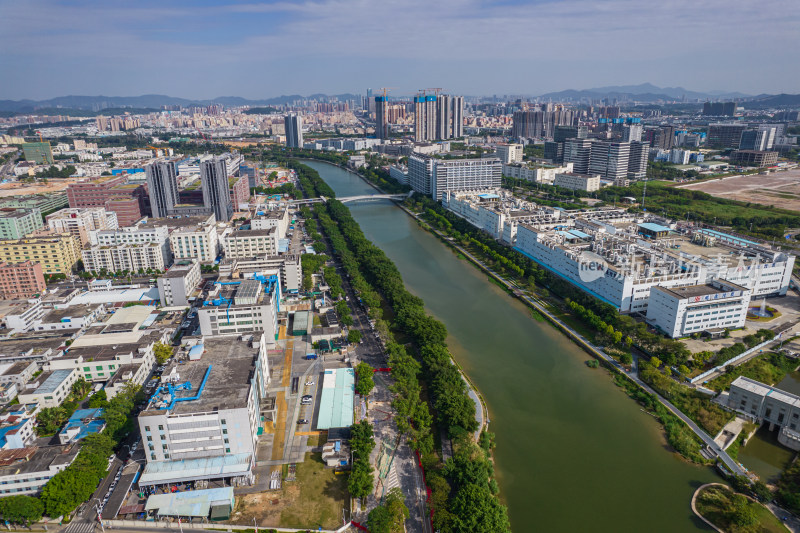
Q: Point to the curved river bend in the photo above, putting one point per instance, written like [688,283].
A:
[573,452]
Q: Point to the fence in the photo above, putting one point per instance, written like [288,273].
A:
[732,361]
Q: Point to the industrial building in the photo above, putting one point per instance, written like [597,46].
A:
[620,262]
[252,243]
[764,403]
[16,223]
[433,177]
[175,286]
[711,307]
[336,400]
[202,423]
[241,307]
[288,267]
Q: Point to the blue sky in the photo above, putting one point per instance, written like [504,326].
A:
[209,48]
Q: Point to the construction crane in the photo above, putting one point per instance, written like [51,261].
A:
[386,90]
[436,90]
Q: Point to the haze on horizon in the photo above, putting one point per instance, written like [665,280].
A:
[208,48]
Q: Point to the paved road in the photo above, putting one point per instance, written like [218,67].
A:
[540,307]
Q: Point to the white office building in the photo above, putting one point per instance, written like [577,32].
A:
[80,222]
[131,257]
[277,218]
[509,153]
[252,243]
[176,285]
[683,310]
[537,173]
[196,241]
[577,182]
[433,177]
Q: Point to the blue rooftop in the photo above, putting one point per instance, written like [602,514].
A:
[6,430]
[488,196]
[653,227]
[87,420]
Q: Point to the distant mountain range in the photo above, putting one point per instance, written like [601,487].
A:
[155,101]
[646,92]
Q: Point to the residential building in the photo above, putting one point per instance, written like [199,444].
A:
[16,430]
[176,285]
[719,109]
[56,253]
[632,132]
[509,153]
[381,117]
[540,123]
[216,188]
[431,176]
[754,158]
[293,123]
[444,115]
[252,243]
[132,258]
[16,223]
[250,306]
[239,192]
[764,403]
[81,423]
[577,182]
[660,137]
[162,187]
[18,373]
[686,309]
[637,160]
[197,239]
[563,132]
[40,153]
[80,222]
[49,389]
[210,429]
[457,117]
[27,470]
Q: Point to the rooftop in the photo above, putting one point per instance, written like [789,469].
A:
[202,468]
[179,269]
[38,459]
[52,380]
[252,233]
[336,402]
[232,365]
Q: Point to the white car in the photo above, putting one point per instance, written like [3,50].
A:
[309,383]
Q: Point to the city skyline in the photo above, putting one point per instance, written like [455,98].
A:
[54,48]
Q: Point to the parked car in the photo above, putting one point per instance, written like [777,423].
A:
[302,421]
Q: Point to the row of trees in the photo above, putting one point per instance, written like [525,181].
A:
[470,503]
[361,443]
[75,484]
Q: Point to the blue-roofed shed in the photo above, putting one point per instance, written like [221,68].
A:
[81,423]
[653,231]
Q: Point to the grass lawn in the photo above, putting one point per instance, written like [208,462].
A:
[767,368]
[320,499]
[716,505]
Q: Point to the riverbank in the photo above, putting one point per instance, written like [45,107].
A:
[718,506]
[558,428]
[630,378]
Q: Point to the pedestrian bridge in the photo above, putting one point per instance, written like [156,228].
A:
[354,199]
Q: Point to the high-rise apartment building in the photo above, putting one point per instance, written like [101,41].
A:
[162,187]
[540,123]
[632,132]
[509,153]
[431,176]
[661,137]
[719,108]
[458,117]
[293,125]
[56,253]
[382,117]
[561,133]
[637,161]
[216,191]
[438,117]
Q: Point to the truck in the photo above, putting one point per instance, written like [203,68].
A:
[310,356]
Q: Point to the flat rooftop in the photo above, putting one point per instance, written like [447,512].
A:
[232,365]
[178,270]
[244,233]
[73,311]
[177,222]
[39,461]
[32,345]
[691,291]
[52,380]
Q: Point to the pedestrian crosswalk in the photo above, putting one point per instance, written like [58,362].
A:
[392,479]
[80,526]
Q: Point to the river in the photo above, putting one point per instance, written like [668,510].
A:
[573,452]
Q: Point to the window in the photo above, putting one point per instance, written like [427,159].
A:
[147,429]
[224,431]
[225,440]
[161,428]
[150,438]
[227,450]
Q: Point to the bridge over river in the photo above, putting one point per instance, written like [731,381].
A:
[355,199]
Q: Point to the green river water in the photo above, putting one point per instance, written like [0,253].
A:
[573,453]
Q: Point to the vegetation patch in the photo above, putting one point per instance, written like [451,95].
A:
[767,368]
[735,513]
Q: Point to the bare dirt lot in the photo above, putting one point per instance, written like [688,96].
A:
[21,189]
[781,189]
